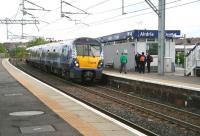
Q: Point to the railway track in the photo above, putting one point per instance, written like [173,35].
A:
[175,115]
[146,108]
[61,85]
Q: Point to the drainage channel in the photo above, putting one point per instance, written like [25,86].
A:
[26,113]
[36,129]
[13,94]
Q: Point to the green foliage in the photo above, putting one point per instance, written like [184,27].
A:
[37,41]
[18,52]
[2,48]
[180,58]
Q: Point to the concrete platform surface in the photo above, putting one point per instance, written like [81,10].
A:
[176,79]
[22,113]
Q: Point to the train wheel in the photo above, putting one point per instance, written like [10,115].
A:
[65,74]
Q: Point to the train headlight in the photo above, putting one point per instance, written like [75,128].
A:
[100,64]
[76,63]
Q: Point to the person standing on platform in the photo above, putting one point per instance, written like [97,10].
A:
[123,61]
[142,63]
[149,60]
[137,61]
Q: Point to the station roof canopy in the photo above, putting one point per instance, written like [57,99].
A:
[138,34]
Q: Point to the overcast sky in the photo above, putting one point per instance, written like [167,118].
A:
[104,17]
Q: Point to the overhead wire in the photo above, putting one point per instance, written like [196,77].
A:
[108,20]
[90,7]
[120,19]
[114,9]
[139,10]
[57,8]
[95,5]
[54,21]
[151,11]
[14,17]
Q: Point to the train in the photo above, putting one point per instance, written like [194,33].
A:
[79,59]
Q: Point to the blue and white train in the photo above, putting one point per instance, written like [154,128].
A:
[78,59]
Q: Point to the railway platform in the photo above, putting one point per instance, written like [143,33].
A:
[31,107]
[174,88]
[176,79]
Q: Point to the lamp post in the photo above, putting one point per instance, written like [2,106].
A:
[184,55]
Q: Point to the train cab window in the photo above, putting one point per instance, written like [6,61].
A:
[94,50]
[82,50]
[88,50]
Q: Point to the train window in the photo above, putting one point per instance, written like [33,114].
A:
[64,51]
[152,48]
[82,50]
[88,50]
[94,50]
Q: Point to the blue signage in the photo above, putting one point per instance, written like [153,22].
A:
[138,34]
[154,33]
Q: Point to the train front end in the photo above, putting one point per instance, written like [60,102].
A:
[88,60]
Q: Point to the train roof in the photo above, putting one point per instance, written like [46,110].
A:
[76,41]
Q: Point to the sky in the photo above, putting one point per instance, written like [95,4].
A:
[96,18]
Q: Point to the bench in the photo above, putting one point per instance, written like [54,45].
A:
[109,65]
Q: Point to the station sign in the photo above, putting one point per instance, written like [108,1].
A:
[139,34]
[154,33]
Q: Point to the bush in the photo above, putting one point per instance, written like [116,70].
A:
[37,41]
[180,57]
[18,52]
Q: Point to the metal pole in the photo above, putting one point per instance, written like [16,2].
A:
[61,8]
[122,7]
[23,12]
[161,36]
[7,30]
[184,55]
[22,30]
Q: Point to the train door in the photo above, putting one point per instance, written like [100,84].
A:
[64,55]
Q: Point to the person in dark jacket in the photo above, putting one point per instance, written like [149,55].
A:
[137,61]
[149,60]
[142,62]
[123,61]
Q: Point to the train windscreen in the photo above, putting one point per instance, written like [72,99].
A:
[88,50]
[87,47]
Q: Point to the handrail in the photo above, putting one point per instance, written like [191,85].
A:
[196,45]
[192,59]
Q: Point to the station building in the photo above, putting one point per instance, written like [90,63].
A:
[134,41]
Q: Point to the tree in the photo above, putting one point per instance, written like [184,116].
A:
[180,58]
[18,52]
[37,41]
[2,48]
